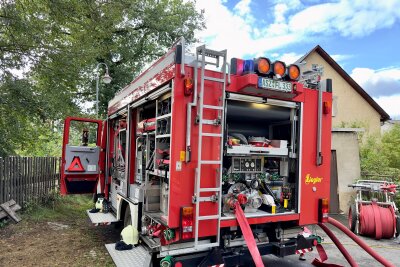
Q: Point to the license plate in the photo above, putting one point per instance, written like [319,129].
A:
[274,85]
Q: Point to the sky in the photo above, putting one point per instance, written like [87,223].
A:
[363,36]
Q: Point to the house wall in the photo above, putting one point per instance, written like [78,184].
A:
[350,107]
[345,142]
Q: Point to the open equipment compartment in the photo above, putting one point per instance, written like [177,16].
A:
[152,157]
[261,167]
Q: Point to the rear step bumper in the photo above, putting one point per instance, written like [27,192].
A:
[138,256]
[100,218]
[240,256]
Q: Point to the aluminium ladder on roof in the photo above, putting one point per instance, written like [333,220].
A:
[201,55]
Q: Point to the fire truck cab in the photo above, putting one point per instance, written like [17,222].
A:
[209,161]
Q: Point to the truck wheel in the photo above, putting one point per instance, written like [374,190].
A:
[127,216]
[397,226]
[352,217]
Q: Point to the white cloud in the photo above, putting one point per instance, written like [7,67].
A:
[243,7]
[348,18]
[293,22]
[237,31]
[378,83]
[288,58]
[390,104]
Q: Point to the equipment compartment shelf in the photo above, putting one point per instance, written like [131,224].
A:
[253,150]
[158,172]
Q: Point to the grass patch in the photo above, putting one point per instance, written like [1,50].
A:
[56,207]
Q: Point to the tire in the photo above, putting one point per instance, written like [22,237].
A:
[127,216]
[397,226]
[352,218]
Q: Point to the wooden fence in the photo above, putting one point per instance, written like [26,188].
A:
[28,179]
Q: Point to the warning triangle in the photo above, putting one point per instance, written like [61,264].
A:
[76,165]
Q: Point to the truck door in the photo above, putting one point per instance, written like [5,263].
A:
[80,155]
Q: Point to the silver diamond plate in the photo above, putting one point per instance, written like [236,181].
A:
[101,218]
[136,257]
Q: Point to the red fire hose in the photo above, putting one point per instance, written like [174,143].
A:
[339,245]
[248,235]
[361,243]
[377,221]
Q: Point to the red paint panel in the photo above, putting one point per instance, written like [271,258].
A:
[313,176]
[182,182]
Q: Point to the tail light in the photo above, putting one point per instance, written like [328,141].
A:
[323,210]
[186,222]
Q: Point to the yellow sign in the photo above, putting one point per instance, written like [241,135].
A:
[313,180]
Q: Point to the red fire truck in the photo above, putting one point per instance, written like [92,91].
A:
[209,161]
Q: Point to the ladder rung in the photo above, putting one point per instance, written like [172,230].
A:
[211,189]
[209,217]
[211,134]
[210,161]
[211,63]
[214,79]
[209,52]
[207,245]
[207,199]
[213,107]
[210,122]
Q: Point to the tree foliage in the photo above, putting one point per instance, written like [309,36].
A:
[381,156]
[50,48]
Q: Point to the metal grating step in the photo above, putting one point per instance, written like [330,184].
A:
[138,256]
[100,218]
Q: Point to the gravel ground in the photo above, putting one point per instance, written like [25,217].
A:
[387,248]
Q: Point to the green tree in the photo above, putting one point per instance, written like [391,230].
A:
[56,44]
[381,156]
